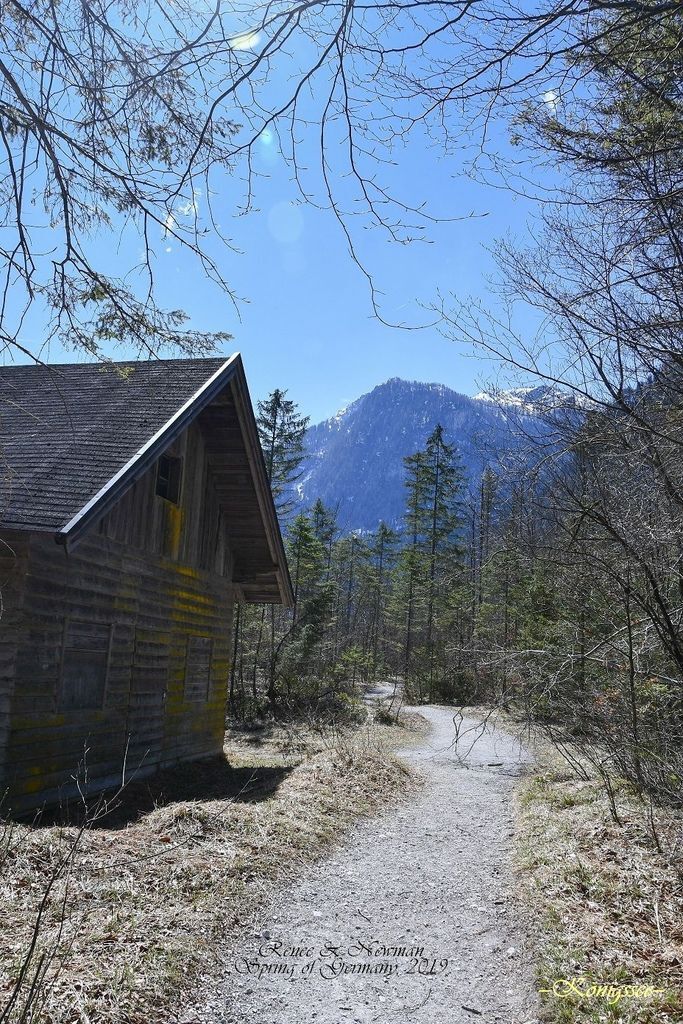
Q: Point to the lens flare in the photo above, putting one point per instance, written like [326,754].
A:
[245,41]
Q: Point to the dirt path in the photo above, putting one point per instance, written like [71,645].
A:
[410,919]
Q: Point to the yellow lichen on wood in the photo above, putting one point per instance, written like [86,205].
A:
[174,529]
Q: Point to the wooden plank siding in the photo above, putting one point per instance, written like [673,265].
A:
[13,560]
[158,574]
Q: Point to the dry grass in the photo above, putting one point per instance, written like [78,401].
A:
[148,895]
[610,904]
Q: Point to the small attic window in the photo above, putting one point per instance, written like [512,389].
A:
[169,476]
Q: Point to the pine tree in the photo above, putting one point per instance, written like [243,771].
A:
[282,432]
[325,527]
[306,558]
[443,485]
[410,562]
[312,599]
[382,548]
[487,495]
[426,565]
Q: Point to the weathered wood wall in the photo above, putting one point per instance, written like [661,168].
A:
[13,559]
[159,575]
[194,532]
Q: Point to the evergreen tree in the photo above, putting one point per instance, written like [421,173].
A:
[282,432]
[306,557]
[427,562]
[312,600]
[410,563]
[382,547]
[325,527]
[487,495]
[443,484]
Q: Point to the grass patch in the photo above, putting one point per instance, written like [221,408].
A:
[610,905]
[146,897]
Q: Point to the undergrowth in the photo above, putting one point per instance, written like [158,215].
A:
[147,893]
[609,901]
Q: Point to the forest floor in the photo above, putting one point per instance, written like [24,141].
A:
[501,892]
[314,877]
[605,897]
[114,924]
[412,918]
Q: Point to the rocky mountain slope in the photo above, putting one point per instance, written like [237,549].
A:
[354,460]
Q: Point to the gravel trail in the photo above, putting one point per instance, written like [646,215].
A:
[411,918]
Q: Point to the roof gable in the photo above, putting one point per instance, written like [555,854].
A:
[74,437]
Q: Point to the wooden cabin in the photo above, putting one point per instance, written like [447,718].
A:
[134,511]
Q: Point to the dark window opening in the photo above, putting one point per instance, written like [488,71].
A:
[169,473]
[198,668]
[85,663]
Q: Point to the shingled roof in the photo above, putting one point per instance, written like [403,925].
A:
[74,436]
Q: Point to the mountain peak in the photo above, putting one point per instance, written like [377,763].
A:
[354,460]
[419,384]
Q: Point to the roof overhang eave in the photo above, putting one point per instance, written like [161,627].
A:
[263,491]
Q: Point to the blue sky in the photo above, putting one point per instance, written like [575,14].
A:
[306,323]
[309,326]
[304,319]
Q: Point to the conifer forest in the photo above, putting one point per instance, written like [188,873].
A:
[551,587]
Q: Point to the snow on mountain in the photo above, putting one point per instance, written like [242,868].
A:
[535,399]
